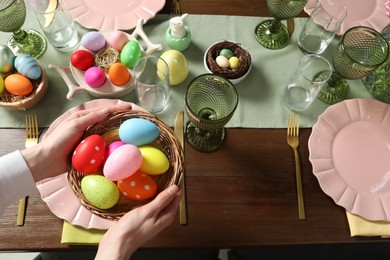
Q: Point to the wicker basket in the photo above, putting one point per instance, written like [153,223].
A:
[12,102]
[166,142]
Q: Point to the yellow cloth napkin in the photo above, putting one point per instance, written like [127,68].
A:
[359,226]
[76,235]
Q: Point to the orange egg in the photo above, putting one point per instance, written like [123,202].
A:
[18,85]
[119,74]
[139,186]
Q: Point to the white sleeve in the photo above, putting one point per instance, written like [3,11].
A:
[16,180]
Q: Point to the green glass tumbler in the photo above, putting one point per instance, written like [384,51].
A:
[210,102]
[12,18]
[359,52]
[272,33]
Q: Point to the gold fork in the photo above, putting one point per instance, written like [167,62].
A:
[175,8]
[31,140]
[293,141]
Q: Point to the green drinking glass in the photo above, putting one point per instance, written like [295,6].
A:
[359,52]
[210,102]
[272,33]
[12,18]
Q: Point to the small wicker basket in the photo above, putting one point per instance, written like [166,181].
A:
[166,142]
[12,102]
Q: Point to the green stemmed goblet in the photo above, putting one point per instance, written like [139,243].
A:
[12,17]
[210,102]
[360,51]
[273,34]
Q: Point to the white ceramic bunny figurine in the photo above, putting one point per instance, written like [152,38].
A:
[176,24]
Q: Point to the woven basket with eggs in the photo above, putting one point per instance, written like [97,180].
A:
[166,142]
[24,80]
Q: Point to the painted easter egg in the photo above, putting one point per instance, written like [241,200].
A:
[89,154]
[18,85]
[138,131]
[100,191]
[138,186]
[131,53]
[93,41]
[154,161]
[28,66]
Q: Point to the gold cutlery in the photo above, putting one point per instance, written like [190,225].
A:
[175,8]
[31,140]
[293,141]
[179,128]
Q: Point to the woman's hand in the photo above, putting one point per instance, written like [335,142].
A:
[50,157]
[139,226]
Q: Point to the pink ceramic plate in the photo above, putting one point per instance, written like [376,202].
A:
[371,13]
[112,15]
[350,150]
[58,194]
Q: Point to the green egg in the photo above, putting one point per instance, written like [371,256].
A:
[100,191]
[226,52]
[1,84]
[131,53]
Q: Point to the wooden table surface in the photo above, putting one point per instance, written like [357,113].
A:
[242,195]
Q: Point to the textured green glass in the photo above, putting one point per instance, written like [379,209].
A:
[210,102]
[359,51]
[378,82]
[12,17]
[272,34]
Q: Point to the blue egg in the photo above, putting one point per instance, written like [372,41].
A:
[138,131]
[28,66]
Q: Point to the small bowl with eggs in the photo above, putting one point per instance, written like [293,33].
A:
[124,162]
[23,81]
[228,59]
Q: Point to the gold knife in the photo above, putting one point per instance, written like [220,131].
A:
[178,129]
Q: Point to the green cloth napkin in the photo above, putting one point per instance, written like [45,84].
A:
[260,105]
[76,235]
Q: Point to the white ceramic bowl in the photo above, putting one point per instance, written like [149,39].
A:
[233,80]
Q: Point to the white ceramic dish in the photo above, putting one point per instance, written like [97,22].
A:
[108,15]
[234,81]
[350,150]
[370,13]
[108,90]
[57,193]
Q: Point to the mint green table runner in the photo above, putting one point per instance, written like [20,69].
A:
[260,105]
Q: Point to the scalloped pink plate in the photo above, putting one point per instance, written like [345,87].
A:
[57,193]
[350,149]
[370,13]
[112,15]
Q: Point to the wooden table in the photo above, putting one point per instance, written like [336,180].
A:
[242,195]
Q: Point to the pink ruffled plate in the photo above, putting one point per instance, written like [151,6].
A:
[57,193]
[350,153]
[112,15]
[370,13]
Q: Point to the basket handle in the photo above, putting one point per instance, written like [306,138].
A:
[64,71]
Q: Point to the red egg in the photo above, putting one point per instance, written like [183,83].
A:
[138,186]
[89,154]
[82,59]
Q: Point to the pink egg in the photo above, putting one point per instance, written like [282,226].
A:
[118,40]
[122,162]
[112,147]
[95,77]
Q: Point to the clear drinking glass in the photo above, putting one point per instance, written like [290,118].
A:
[321,27]
[305,83]
[57,25]
[152,86]
[210,102]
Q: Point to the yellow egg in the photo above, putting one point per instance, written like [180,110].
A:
[18,85]
[1,84]
[177,66]
[234,62]
[154,161]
